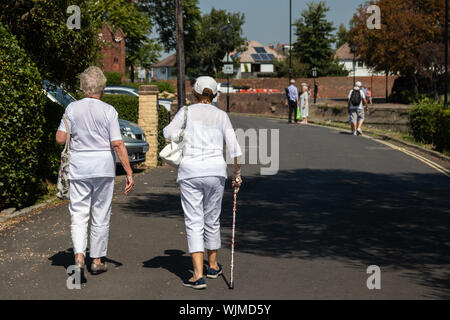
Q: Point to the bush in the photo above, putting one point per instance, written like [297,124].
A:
[163,121]
[162,86]
[126,106]
[50,151]
[424,117]
[113,78]
[21,120]
[442,138]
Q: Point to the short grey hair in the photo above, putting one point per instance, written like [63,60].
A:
[92,81]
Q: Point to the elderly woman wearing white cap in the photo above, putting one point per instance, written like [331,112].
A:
[202,174]
[95,135]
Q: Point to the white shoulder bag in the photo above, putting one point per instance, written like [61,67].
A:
[63,175]
[173,152]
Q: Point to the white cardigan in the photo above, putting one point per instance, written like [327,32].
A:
[207,127]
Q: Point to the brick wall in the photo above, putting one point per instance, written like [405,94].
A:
[148,121]
[329,87]
[113,53]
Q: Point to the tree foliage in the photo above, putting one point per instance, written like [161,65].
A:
[136,23]
[59,53]
[314,40]
[214,41]
[409,42]
[341,36]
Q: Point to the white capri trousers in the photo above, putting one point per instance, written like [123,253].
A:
[201,199]
[91,195]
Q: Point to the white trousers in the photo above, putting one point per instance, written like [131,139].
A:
[91,195]
[201,199]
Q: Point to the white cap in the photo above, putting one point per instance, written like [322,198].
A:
[205,82]
[358,84]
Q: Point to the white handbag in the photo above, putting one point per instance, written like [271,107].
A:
[63,175]
[173,152]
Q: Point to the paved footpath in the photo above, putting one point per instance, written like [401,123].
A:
[338,204]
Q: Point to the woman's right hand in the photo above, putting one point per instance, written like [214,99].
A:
[237,181]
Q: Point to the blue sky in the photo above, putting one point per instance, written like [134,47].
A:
[267,21]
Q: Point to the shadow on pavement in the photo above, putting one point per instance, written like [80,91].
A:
[399,221]
[174,261]
[66,258]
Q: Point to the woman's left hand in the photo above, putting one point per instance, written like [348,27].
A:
[129,184]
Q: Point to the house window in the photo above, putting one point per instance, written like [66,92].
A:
[360,64]
[256,68]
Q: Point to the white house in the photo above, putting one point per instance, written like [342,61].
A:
[256,61]
[163,69]
[345,57]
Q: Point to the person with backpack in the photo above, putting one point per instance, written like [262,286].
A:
[356,103]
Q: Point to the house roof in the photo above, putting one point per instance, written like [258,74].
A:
[166,62]
[344,52]
[246,56]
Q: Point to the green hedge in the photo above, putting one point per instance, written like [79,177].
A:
[430,123]
[127,106]
[162,86]
[21,120]
[50,151]
[113,78]
[163,121]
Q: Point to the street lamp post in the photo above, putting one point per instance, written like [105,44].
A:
[290,40]
[228,29]
[353,47]
[314,74]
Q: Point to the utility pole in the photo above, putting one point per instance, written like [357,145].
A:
[446,56]
[181,83]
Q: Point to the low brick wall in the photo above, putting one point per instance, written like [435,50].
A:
[384,116]
[329,87]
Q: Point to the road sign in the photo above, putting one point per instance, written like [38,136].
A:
[228,69]
[227,59]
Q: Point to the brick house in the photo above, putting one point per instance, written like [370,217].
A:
[113,51]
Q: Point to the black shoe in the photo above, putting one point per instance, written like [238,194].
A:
[213,273]
[199,284]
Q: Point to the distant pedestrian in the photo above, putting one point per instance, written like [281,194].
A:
[356,102]
[292,98]
[95,135]
[304,105]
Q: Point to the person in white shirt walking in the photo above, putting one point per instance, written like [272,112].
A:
[202,174]
[95,135]
[304,105]
[356,102]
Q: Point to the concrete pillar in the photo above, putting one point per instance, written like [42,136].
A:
[148,121]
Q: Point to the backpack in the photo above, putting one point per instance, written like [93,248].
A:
[355,98]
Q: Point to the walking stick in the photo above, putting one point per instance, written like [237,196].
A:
[232,238]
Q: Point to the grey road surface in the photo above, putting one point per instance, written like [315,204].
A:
[337,205]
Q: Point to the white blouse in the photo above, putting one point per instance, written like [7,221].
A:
[93,125]
[207,127]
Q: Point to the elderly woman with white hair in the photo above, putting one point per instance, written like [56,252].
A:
[304,104]
[202,173]
[95,135]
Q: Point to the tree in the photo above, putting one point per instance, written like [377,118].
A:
[299,70]
[135,22]
[213,41]
[314,40]
[408,42]
[162,13]
[341,36]
[59,53]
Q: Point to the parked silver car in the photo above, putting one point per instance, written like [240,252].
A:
[132,134]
